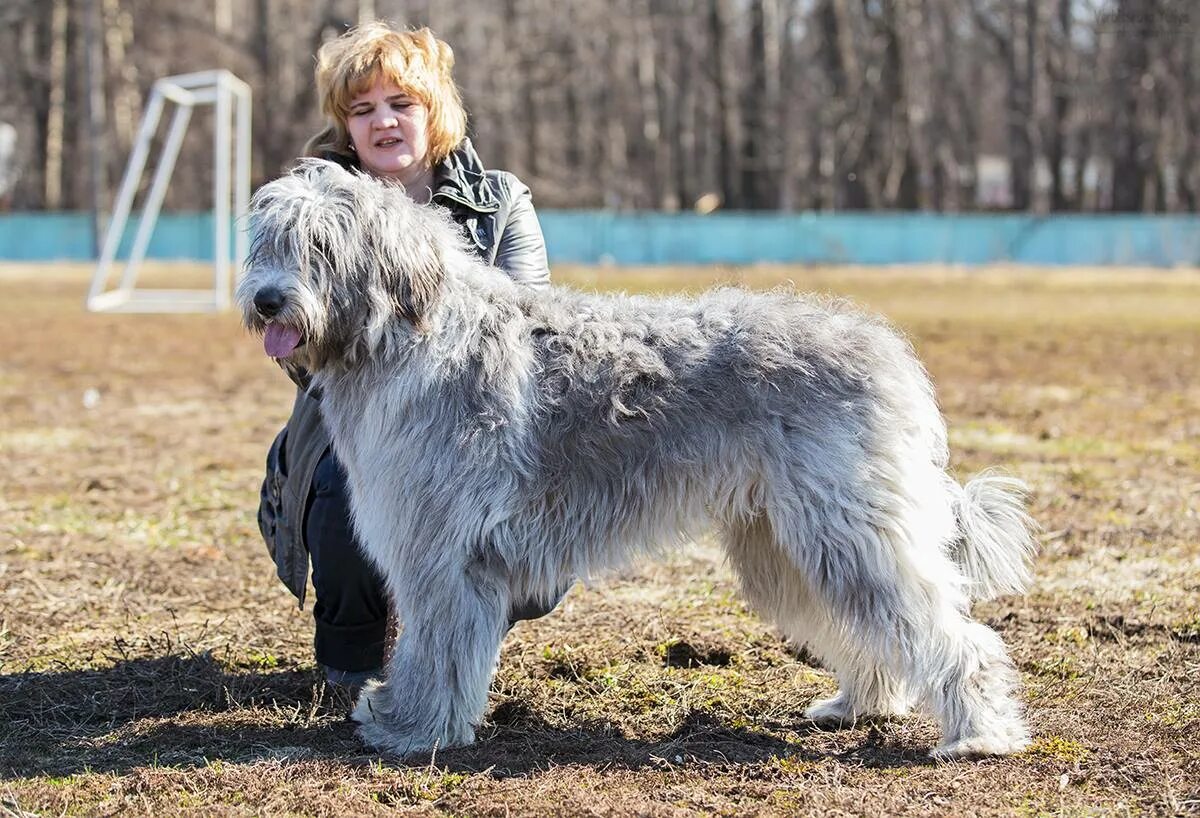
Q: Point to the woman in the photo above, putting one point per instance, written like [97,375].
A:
[393,111]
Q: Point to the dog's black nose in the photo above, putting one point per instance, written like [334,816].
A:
[268,301]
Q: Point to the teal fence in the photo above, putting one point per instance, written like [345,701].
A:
[733,238]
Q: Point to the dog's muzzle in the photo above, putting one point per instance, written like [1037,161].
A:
[279,339]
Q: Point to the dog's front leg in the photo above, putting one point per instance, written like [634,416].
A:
[435,693]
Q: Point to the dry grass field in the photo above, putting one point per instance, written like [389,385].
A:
[150,663]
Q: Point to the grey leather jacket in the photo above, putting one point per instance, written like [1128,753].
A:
[496,210]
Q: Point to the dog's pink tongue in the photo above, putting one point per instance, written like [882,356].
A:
[279,340]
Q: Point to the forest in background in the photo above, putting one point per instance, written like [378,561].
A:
[936,105]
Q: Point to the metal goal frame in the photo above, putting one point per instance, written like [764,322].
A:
[230,97]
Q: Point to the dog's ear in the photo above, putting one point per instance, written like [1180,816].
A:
[404,242]
[416,285]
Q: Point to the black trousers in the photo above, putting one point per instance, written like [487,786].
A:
[351,604]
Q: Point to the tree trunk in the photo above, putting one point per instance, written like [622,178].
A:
[796,129]
[94,129]
[664,89]
[1189,157]
[118,41]
[57,110]
[754,133]
[1029,86]
[899,189]
[847,143]
[727,114]
[266,106]
[648,110]
[1020,151]
[1129,167]
[953,128]
[684,102]
[1057,55]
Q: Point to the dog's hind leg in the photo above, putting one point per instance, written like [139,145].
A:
[435,693]
[896,623]
[778,590]
[974,693]
[864,692]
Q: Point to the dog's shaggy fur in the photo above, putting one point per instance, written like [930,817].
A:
[500,441]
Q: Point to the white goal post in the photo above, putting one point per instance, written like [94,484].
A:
[231,176]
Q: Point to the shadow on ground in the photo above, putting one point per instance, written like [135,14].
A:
[173,710]
[188,711]
[516,742]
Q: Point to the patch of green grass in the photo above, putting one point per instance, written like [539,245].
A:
[607,677]
[1082,479]
[1070,634]
[640,696]
[564,661]
[420,786]
[60,781]
[1059,749]
[1176,714]
[1187,630]
[260,660]
[730,680]
[1056,667]
[791,766]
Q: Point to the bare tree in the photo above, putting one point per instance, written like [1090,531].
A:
[1132,84]
[726,113]
[56,111]
[93,124]
[1002,31]
[834,104]
[1187,102]
[1057,57]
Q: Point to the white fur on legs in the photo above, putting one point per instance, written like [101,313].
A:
[975,698]
[779,591]
[894,629]
[874,694]
[438,675]
[958,669]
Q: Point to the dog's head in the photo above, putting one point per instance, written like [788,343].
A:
[335,258]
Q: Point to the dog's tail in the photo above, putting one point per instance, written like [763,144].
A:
[996,539]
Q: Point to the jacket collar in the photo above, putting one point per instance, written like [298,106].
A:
[461,179]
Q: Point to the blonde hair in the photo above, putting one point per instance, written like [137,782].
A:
[416,61]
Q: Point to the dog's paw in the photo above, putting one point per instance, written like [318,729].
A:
[368,706]
[1002,744]
[398,734]
[396,744]
[835,711]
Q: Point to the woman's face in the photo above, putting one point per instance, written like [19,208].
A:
[388,129]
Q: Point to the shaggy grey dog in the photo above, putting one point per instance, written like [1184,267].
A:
[499,442]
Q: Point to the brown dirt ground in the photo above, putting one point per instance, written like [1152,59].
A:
[151,664]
